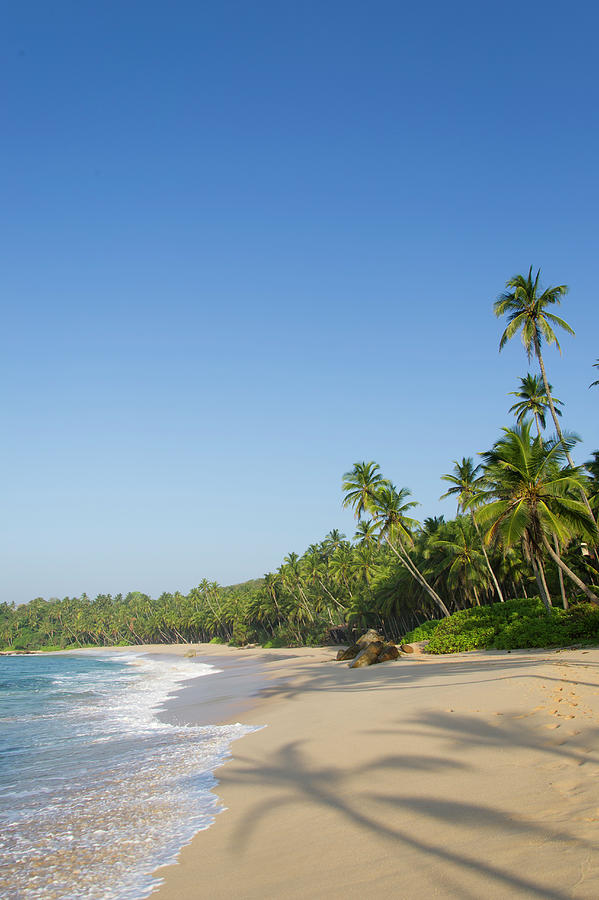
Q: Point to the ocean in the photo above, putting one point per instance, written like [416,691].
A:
[95,790]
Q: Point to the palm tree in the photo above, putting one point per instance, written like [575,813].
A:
[595,366]
[466,481]
[389,513]
[526,497]
[592,467]
[533,400]
[360,487]
[527,311]
[332,541]
[462,563]
[367,491]
[365,533]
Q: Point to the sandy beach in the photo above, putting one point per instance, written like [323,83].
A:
[469,776]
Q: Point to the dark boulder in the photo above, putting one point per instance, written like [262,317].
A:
[388,652]
[368,655]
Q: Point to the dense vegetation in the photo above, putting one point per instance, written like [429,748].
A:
[525,536]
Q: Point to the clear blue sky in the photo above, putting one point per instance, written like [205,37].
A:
[247,244]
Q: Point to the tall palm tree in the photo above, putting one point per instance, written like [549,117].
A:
[360,486]
[527,496]
[595,366]
[527,311]
[465,481]
[533,400]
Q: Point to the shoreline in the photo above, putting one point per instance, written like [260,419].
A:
[463,776]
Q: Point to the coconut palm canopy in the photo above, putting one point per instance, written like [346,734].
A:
[533,401]
[527,311]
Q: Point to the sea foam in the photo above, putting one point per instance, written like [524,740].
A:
[96,791]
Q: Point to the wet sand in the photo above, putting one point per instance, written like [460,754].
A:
[469,776]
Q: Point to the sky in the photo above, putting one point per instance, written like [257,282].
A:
[247,244]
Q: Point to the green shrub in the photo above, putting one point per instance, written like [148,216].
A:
[421,633]
[515,624]
[217,640]
[275,642]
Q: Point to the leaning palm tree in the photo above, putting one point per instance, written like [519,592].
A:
[595,366]
[527,311]
[395,528]
[533,401]
[465,481]
[367,491]
[527,497]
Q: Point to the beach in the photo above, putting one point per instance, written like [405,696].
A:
[465,776]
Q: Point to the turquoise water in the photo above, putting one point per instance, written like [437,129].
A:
[95,791]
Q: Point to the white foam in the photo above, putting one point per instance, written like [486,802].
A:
[138,789]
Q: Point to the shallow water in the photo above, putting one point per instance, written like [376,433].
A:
[95,791]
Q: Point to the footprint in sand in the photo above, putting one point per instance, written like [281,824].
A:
[553,725]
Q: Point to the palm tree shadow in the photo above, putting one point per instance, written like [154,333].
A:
[297,780]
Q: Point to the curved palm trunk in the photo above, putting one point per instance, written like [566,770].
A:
[560,435]
[537,567]
[482,544]
[560,574]
[555,540]
[327,591]
[410,566]
[571,575]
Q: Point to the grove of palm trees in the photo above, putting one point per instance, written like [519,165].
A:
[517,566]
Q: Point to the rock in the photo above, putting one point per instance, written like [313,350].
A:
[349,652]
[388,652]
[368,655]
[416,647]
[368,638]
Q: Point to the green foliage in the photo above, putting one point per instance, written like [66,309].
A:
[422,633]
[275,642]
[515,624]
[217,640]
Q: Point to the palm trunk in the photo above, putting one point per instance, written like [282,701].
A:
[560,574]
[405,559]
[560,435]
[482,543]
[571,575]
[327,591]
[537,568]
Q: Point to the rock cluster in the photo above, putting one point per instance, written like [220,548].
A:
[370,648]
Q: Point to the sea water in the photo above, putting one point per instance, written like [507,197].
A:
[95,791]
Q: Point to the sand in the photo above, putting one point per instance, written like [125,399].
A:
[469,776]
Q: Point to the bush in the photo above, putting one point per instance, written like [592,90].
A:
[421,633]
[217,640]
[515,624]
